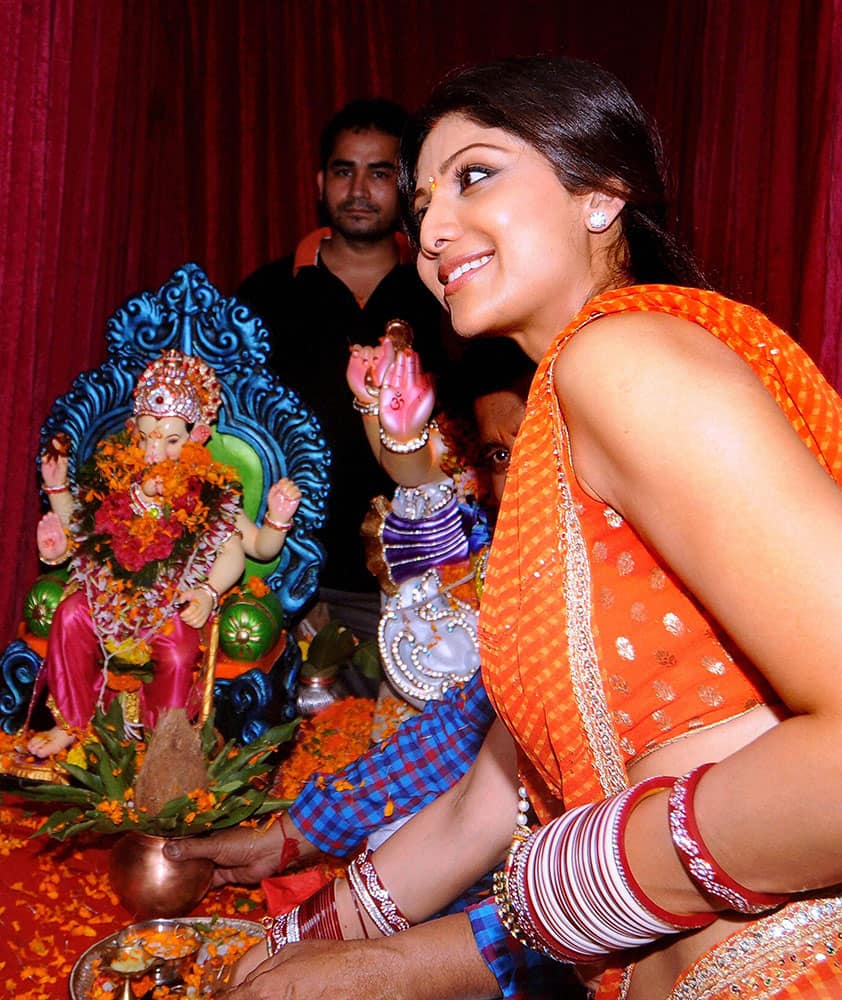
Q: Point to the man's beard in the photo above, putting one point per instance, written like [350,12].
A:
[371,227]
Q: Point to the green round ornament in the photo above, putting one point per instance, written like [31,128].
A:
[250,626]
[41,602]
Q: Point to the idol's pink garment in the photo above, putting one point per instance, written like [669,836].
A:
[75,678]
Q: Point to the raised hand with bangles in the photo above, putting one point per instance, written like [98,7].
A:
[390,385]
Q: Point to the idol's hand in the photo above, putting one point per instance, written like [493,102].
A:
[198,606]
[406,398]
[153,486]
[50,536]
[366,368]
[283,500]
[54,468]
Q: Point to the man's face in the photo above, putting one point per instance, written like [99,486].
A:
[359,185]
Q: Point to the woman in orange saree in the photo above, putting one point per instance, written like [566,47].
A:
[662,612]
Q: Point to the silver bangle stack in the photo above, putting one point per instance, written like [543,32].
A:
[366,886]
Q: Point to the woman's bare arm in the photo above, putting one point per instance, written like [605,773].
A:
[675,432]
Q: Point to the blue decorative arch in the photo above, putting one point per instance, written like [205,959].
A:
[188,314]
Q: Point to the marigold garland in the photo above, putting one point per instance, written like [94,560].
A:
[133,564]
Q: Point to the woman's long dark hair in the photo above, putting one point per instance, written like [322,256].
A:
[585,122]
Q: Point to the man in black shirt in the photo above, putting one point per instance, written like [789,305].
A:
[340,287]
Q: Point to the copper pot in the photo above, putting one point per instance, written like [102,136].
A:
[148,884]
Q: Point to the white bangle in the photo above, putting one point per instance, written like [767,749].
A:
[366,409]
[405,447]
[63,488]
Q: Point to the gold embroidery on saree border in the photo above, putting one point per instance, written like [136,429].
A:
[769,954]
[585,674]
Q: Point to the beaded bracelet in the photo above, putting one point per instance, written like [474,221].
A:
[374,898]
[697,859]
[366,409]
[277,525]
[405,447]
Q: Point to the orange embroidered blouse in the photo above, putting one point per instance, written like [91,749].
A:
[592,651]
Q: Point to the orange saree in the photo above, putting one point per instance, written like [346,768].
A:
[592,652]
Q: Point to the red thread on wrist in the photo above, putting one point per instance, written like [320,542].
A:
[290,851]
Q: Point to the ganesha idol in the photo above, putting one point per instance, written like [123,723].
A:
[154,533]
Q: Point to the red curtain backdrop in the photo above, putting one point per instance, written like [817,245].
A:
[136,135]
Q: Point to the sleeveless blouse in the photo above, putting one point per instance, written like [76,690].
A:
[593,652]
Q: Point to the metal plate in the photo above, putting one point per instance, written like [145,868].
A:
[82,975]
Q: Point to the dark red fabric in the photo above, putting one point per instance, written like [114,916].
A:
[284,892]
[134,137]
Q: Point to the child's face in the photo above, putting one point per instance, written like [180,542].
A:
[498,416]
[162,439]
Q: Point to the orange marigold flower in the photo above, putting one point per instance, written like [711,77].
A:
[123,682]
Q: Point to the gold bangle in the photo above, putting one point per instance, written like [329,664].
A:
[55,562]
[214,593]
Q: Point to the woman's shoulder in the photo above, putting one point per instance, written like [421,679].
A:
[626,348]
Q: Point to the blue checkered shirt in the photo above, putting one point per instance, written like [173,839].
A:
[424,758]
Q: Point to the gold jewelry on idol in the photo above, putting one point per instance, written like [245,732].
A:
[178,385]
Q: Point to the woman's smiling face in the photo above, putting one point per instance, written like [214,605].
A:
[504,245]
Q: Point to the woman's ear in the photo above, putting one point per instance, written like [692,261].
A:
[600,210]
[200,433]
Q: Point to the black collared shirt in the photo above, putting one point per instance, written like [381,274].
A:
[313,318]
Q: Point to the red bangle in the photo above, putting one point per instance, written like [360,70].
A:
[365,883]
[697,859]
[55,489]
[359,913]
[682,920]
[317,915]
